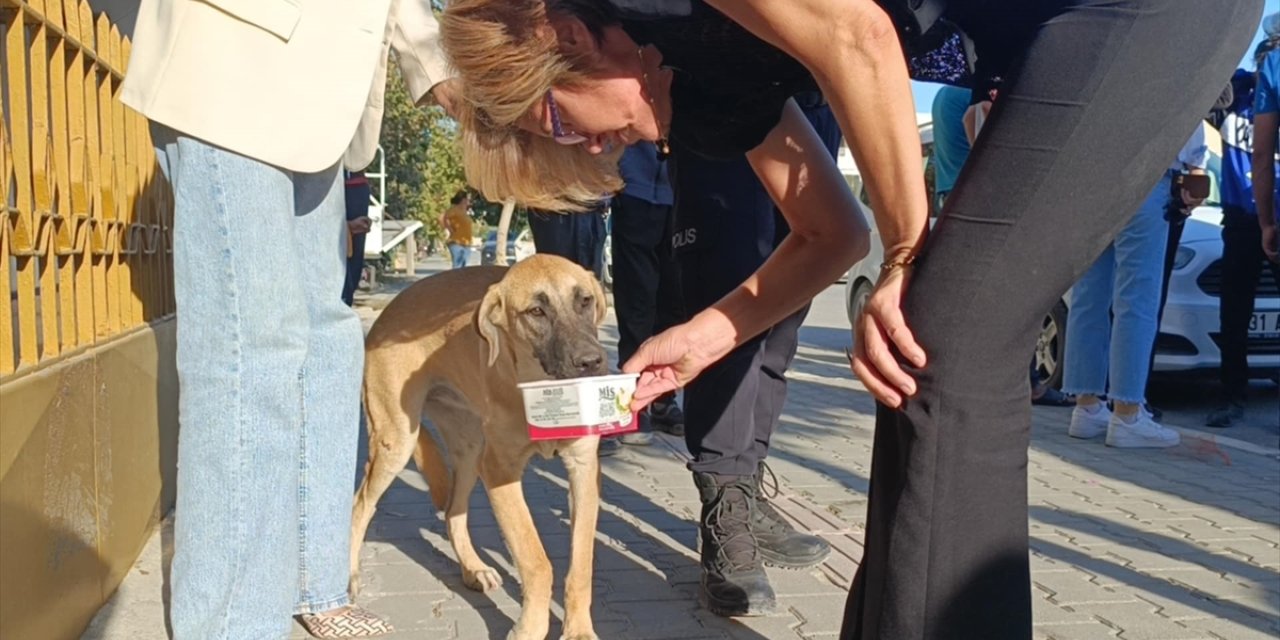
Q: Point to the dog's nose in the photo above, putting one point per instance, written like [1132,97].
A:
[588,361]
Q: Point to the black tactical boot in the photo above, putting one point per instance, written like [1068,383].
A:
[780,544]
[733,578]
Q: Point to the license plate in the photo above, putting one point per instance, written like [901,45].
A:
[1264,323]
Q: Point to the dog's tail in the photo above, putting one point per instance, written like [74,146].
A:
[432,466]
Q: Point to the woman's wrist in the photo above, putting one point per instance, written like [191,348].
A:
[905,250]
[712,335]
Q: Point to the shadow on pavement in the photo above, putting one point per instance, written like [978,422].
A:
[1138,547]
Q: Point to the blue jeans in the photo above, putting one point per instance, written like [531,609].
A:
[269,367]
[1112,324]
[459,254]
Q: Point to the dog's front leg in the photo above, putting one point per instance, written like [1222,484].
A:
[582,463]
[501,473]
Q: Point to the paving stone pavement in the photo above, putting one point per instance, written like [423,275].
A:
[1161,545]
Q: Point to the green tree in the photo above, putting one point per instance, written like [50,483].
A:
[441,169]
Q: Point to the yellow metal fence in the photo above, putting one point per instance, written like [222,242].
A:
[88,385]
[85,235]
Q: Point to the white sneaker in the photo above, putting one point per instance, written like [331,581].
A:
[1089,424]
[1142,432]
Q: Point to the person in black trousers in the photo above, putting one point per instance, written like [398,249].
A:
[577,237]
[727,226]
[357,194]
[646,278]
[1178,209]
[1077,139]
[1243,258]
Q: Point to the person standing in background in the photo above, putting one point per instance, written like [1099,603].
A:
[577,236]
[1177,209]
[951,143]
[256,108]
[1111,325]
[646,277]
[1266,188]
[1248,218]
[456,221]
[358,224]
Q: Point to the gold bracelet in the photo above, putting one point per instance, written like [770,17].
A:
[894,264]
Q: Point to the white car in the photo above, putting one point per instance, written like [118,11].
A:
[1188,337]
[519,247]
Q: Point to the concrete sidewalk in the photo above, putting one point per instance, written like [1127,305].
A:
[1164,545]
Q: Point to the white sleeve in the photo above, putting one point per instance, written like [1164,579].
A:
[1195,153]
[415,36]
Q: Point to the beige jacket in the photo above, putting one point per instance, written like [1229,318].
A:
[293,83]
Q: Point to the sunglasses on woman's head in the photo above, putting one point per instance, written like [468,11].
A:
[557,130]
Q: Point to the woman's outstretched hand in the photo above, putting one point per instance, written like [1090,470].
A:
[666,363]
[879,330]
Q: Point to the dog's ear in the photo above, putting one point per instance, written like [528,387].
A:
[602,305]
[491,315]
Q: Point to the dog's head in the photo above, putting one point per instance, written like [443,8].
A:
[546,310]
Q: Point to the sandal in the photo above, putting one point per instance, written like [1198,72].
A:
[347,622]
[1054,398]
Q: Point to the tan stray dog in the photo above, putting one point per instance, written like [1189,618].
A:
[454,346]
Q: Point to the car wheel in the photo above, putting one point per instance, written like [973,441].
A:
[1052,345]
[858,301]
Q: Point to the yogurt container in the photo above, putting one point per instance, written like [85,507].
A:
[579,407]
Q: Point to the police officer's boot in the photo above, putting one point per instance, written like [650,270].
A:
[780,544]
[733,578]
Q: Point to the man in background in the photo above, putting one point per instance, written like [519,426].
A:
[456,222]
[358,224]
[646,276]
[1248,219]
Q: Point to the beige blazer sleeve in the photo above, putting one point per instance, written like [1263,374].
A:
[415,36]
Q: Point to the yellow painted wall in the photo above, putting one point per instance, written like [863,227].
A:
[88,447]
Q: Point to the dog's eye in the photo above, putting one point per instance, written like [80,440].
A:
[536,312]
[587,302]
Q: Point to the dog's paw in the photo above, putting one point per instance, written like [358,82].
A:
[520,634]
[481,579]
[589,635]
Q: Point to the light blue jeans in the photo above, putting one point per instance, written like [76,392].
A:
[459,255]
[269,366]
[1111,325]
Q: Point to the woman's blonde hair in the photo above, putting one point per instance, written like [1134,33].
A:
[507,57]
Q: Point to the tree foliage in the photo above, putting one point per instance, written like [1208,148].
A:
[424,163]
[424,159]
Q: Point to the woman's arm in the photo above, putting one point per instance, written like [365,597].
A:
[828,234]
[852,49]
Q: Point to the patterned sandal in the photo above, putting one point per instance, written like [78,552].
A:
[348,622]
